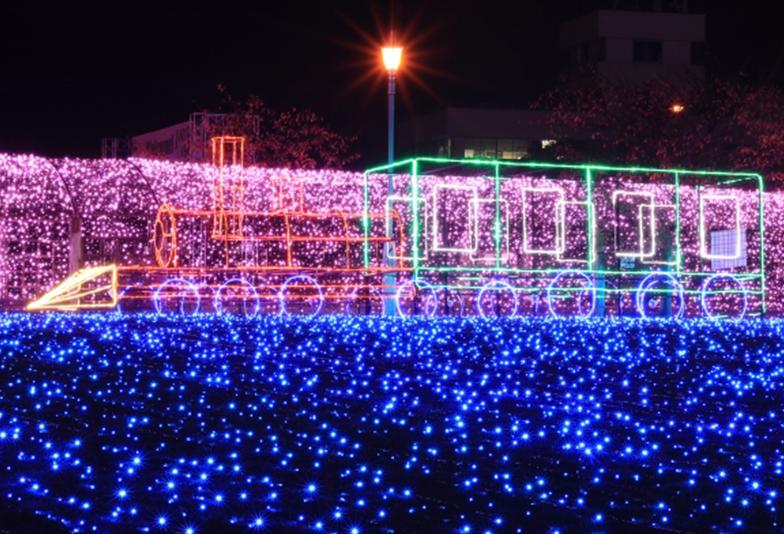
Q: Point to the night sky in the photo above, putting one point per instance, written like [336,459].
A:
[73,75]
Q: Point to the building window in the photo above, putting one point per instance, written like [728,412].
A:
[480,148]
[512,149]
[647,51]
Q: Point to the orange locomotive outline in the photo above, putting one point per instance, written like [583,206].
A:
[170,259]
[227,227]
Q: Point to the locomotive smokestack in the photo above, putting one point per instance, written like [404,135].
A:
[228,153]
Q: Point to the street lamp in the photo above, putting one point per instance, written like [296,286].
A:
[677,108]
[392,56]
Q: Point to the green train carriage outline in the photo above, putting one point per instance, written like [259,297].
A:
[686,283]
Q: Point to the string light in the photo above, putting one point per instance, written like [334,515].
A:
[154,221]
[109,422]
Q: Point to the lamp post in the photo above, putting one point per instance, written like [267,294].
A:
[391,55]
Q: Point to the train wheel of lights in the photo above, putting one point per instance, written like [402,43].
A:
[157,297]
[249,297]
[365,300]
[125,294]
[165,237]
[647,284]
[430,303]
[300,282]
[453,301]
[706,292]
[537,301]
[589,288]
[496,286]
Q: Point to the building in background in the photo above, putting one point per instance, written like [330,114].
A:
[511,134]
[627,45]
[184,141]
[115,147]
[635,45]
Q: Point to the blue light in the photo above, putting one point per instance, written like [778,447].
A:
[250,313]
[192,422]
[156,298]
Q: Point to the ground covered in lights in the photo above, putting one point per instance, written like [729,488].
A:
[203,424]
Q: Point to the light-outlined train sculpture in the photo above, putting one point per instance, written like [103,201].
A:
[453,237]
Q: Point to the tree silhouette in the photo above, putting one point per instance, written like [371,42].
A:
[721,124]
[294,138]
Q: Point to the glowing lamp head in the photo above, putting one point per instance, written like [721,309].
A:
[392,55]
[677,108]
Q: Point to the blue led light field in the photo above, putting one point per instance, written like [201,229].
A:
[202,424]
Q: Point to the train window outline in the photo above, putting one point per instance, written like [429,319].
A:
[504,236]
[469,226]
[561,197]
[654,234]
[388,222]
[590,213]
[704,253]
[640,254]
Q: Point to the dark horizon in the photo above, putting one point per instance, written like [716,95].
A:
[70,81]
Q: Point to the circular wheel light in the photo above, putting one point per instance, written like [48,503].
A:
[496,285]
[156,298]
[303,279]
[218,301]
[554,283]
[418,284]
[706,287]
[646,285]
